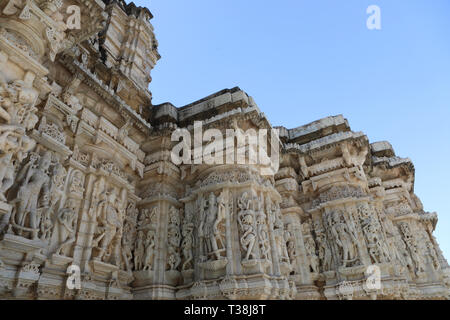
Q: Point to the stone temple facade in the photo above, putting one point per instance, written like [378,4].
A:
[88,184]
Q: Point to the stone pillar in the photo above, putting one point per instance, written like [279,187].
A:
[293,214]
[160,190]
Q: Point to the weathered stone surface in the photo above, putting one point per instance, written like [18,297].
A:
[87,181]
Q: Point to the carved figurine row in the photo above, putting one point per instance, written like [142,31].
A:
[39,189]
[334,241]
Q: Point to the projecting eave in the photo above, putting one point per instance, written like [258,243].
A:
[326,142]
[317,129]
[222,105]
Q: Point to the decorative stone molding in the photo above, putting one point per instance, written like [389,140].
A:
[87,180]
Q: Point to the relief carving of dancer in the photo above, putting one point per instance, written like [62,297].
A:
[263,235]
[187,243]
[34,185]
[66,224]
[149,250]
[246,221]
[139,251]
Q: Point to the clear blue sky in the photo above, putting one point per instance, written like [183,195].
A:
[303,60]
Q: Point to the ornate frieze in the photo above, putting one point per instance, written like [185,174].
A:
[88,183]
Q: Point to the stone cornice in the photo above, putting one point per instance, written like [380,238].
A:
[107,93]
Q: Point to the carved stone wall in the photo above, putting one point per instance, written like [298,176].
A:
[87,180]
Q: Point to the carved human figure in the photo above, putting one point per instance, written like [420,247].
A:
[127,254]
[173,239]
[6,174]
[128,238]
[34,182]
[244,202]
[209,231]
[278,230]
[140,218]
[202,205]
[371,227]
[324,251]
[58,176]
[248,237]
[148,218]
[10,137]
[143,219]
[149,250]
[46,225]
[291,247]
[6,101]
[377,247]
[55,200]
[403,255]
[174,259]
[139,251]
[187,243]
[392,234]
[174,216]
[132,213]
[372,244]
[417,259]
[66,224]
[116,242]
[98,195]
[344,238]
[389,227]
[310,247]
[222,211]
[173,256]
[17,101]
[431,252]
[174,236]
[411,244]
[263,235]
[109,222]
[210,224]
[76,184]
[17,114]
